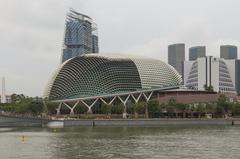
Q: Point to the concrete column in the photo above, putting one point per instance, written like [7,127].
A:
[89,110]
[89,106]
[71,108]
[147,99]
[71,111]
[112,100]
[59,108]
[103,101]
[125,106]
[58,111]
[136,99]
[124,111]
[109,102]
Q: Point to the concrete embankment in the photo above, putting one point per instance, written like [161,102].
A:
[9,121]
[14,121]
[149,122]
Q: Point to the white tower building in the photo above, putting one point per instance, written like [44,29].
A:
[3,96]
[210,71]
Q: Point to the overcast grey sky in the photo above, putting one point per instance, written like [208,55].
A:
[31,32]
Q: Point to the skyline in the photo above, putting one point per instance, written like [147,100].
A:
[32,33]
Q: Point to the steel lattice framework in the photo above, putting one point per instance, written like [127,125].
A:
[98,75]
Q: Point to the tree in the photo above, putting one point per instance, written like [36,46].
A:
[222,99]
[130,109]
[81,109]
[138,108]
[222,105]
[171,106]
[162,107]
[219,111]
[153,106]
[210,107]
[117,109]
[200,109]
[36,107]
[182,108]
[208,88]
[24,106]
[236,109]
[17,98]
[51,107]
[172,102]
[106,109]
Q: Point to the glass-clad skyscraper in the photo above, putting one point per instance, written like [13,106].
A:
[228,52]
[80,36]
[176,56]
[196,52]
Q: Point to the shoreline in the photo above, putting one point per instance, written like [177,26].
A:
[149,122]
[7,121]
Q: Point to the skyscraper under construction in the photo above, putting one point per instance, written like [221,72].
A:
[80,36]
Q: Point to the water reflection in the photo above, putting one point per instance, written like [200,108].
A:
[122,142]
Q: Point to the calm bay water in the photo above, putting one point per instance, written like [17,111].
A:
[121,142]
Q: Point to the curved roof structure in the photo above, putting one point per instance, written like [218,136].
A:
[102,75]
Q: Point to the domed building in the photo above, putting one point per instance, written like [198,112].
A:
[103,75]
[99,76]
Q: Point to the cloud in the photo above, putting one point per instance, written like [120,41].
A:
[32,32]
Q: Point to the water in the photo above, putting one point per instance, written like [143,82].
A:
[121,142]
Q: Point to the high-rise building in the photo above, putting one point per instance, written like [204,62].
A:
[237,76]
[176,56]
[206,72]
[95,44]
[80,36]
[196,52]
[228,52]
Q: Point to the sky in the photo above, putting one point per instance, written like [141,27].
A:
[31,32]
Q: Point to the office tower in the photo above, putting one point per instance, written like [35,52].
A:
[196,52]
[80,36]
[95,44]
[237,76]
[176,56]
[205,72]
[228,52]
